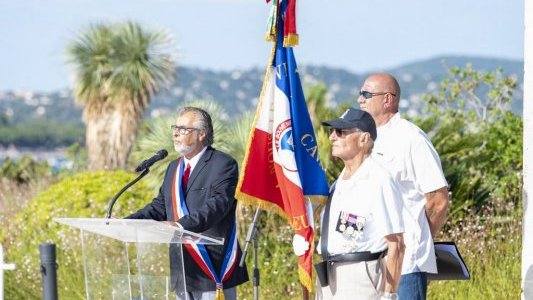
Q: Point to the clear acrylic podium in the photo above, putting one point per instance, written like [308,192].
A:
[134,259]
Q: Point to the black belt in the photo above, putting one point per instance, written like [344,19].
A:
[357,256]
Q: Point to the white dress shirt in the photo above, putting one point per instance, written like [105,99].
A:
[193,161]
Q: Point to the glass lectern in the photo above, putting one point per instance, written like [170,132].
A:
[134,259]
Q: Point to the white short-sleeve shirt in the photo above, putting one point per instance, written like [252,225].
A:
[407,153]
[364,209]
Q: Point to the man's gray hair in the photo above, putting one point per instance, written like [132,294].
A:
[202,122]
[369,146]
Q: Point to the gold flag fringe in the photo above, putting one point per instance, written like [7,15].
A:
[270,37]
[305,279]
[290,40]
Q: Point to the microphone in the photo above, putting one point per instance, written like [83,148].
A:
[152,160]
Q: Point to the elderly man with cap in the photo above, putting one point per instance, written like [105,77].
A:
[362,227]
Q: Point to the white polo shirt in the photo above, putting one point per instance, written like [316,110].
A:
[407,153]
[364,209]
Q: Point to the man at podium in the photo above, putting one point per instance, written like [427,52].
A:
[198,194]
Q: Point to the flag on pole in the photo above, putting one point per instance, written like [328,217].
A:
[290,36]
[281,165]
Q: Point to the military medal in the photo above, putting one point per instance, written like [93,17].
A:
[342,227]
[349,230]
[350,225]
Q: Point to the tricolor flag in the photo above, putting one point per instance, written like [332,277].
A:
[281,165]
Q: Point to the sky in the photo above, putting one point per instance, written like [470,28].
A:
[356,35]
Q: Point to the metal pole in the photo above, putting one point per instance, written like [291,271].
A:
[47,253]
[3,267]
[249,236]
[256,264]
[253,234]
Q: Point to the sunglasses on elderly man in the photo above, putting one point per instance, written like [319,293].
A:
[343,132]
[367,95]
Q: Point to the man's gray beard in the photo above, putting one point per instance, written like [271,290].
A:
[184,150]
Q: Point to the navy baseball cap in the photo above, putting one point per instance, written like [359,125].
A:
[355,118]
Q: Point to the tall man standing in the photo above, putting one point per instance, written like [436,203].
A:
[407,153]
[198,193]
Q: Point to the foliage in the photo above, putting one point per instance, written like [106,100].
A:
[24,169]
[477,138]
[461,92]
[82,195]
[239,133]
[118,68]
[41,134]
[78,156]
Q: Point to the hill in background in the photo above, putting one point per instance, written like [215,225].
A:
[238,90]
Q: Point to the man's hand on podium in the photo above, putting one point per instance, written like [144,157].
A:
[299,245]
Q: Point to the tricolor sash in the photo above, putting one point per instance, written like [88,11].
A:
[199,252]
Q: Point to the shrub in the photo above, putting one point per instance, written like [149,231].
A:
[83,195]
[24,169]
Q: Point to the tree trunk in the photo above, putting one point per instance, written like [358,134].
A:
[527,225]
[111,131]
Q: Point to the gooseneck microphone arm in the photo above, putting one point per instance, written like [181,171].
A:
[145,168]
[112,202]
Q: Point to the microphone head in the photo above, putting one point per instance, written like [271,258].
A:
[162,153]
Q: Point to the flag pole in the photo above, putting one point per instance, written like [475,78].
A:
[305,292]
[253,233]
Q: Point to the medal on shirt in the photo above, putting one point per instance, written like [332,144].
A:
[350,225]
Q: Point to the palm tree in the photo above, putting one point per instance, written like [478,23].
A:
[117,69]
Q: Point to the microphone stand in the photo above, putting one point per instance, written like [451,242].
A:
[253,233]
[112,202]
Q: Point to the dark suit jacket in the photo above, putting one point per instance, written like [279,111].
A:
[210,199]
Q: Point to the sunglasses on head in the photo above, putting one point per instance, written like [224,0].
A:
[368,95]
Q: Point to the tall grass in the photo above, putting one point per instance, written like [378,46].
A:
[491,245]
[14,197]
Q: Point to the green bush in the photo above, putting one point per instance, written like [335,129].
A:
[24,169]
[479,141]
[81,196]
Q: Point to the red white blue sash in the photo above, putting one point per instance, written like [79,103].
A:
[199,252]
